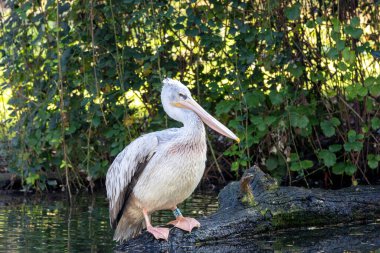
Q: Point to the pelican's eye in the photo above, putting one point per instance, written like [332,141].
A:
[182,96]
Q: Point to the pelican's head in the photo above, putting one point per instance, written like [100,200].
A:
[178,103]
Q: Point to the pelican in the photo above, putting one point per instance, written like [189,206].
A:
[159,170]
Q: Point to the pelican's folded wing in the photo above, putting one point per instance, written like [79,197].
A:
[125,170]
[127,167]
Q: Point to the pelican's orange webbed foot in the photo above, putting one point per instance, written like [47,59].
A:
[185,223]
[159,233]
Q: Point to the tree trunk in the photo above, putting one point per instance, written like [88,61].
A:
[256,206]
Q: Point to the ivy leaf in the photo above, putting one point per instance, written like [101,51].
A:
[293,12]
[329,158]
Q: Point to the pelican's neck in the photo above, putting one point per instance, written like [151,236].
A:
[193,127]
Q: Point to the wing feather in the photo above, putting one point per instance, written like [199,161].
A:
[128,164]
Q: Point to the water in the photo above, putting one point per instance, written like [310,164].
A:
[47,224]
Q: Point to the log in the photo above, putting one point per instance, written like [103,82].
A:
[256,206]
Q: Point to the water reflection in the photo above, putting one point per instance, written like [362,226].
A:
[47,223]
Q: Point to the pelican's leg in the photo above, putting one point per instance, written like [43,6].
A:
[184,223]
[158,233]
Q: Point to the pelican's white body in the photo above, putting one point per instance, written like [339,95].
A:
[175,171]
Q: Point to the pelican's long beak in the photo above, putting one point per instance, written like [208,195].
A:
[209,120]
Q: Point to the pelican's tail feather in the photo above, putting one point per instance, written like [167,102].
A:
[129,226]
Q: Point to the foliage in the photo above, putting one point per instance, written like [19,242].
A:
[299,81]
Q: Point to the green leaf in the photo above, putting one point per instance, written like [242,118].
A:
[352,136]
[340,45]
[294,157]
[192,32]
[269,120]
[375,123]
[338,168]
[355,21]
[333,53]
[310,24]
[348,55]
[373,85]
[336,24]
[276,98]
[96,121]
[335,147]
[329,158]
[361,90]
[373,161]
[271,163]
[297,120]
[350,169]
[335,36]
[293,12]
[225,106]
[342,66]
[354,32]
[328,128]
[301,165]
[353,146]
[32,178]
[254,98]
[235,166]
[295,69]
